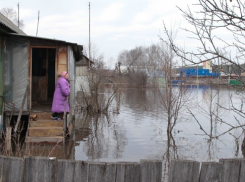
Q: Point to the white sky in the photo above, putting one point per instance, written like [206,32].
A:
[115,25]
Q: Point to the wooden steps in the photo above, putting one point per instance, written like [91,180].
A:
[44,139]
[45,129]
[46,123]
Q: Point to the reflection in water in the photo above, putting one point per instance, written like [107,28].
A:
[202,132]
[100,136]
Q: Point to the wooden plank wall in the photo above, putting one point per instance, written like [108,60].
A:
[46,169]
[226,170]
[62,60]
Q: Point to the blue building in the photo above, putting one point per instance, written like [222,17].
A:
[193,72]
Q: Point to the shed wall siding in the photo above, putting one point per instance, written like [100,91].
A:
[15,71]
[1,75]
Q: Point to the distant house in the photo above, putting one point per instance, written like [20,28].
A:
[82,66]
[31,66]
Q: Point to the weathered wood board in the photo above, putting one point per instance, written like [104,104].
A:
[184,171]
[39,169]
[151,170]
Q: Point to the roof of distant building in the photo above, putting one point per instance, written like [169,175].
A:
[84,61]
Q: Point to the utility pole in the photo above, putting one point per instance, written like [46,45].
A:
[37,22]
[89,44]
[18,16]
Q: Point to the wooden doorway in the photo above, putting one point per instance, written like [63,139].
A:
[43,74]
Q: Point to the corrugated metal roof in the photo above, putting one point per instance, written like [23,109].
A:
[35,37]
[43,38]
[8,23]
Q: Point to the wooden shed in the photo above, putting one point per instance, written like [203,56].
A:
[82,66]
[31,66]
[6,26]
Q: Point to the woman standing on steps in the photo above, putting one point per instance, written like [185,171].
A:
[60,100]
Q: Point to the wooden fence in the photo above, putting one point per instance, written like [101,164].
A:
[36,169]
[226,170]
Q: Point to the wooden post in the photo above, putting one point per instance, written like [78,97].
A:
[211,172]
[151,170]
[231,170]
[39,169]
[8,138]
[29,96]
[81,171]
[129,172]
[242,173]
[20,113]
[6,121]
[11,168]
[66,170]
[184,171]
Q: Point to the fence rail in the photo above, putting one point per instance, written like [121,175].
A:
[36,169]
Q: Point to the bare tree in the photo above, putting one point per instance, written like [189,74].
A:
[151,63]
[96,78]
[141,63]
[209,19]
[11,14]
[173,99]
[135,61]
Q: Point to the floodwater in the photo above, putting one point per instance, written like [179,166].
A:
[207,129]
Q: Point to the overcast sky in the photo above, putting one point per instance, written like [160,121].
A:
[115,25]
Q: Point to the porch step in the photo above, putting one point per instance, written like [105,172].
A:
[44,139]
[45,115]
[46,123]
[45,131]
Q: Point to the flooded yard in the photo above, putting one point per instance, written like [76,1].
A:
[206,129]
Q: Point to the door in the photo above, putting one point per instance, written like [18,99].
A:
[43,74]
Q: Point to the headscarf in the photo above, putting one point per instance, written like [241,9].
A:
[63,73]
